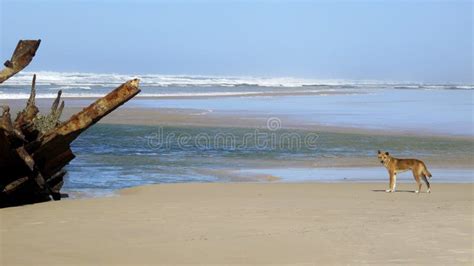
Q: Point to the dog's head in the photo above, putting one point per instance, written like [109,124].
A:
[383,156]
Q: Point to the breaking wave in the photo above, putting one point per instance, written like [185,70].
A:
[80,85]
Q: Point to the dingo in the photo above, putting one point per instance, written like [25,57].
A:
[395,166]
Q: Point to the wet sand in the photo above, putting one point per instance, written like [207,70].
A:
[246,223]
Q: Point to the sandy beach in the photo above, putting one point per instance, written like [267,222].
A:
[246,224]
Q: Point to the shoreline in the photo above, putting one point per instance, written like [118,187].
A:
[246,223]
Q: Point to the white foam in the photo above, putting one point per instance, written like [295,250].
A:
[81,85]
[21,95]
[72,88]
[94,79]
[87,94]
[198,94]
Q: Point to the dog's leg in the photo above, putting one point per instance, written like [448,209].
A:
[418,182]
[394,182]
[391,182]
[426,182]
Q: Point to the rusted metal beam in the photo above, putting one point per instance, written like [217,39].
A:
[22,56]
[100,108]
[11,187]
[6,120]
[26,116]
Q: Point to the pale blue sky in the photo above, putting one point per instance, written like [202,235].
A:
[427,41]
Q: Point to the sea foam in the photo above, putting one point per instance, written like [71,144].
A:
[80,85]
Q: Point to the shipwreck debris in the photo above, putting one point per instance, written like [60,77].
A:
[34,148]
[22,56]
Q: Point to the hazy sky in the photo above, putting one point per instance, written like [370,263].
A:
[428,41]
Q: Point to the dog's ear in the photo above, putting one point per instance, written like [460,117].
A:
[386,153]
[378,152]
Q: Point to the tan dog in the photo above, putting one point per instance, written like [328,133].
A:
[395,166]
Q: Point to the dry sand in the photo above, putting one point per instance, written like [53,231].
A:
[246,223]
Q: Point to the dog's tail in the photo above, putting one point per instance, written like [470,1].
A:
[426,172]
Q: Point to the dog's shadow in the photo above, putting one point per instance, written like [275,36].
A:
[396,191]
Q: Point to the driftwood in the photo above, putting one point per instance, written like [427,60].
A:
[35,148]
[24,53]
